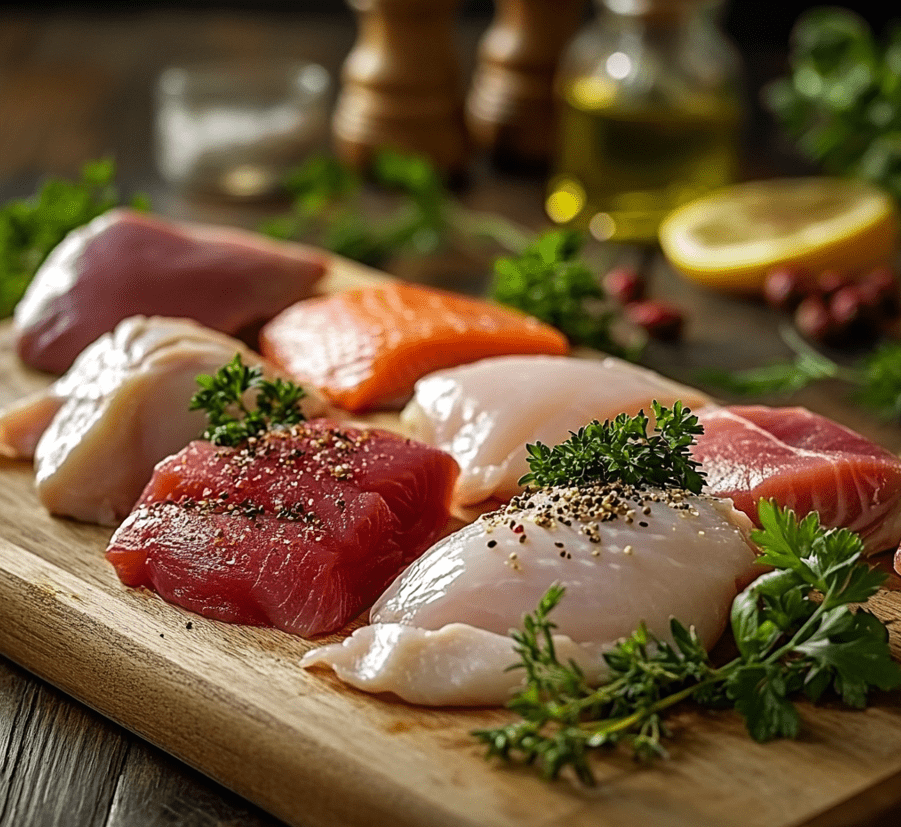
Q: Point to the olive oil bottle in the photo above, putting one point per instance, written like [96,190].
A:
[648,118]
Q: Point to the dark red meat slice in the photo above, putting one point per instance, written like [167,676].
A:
[126,263]
[300,529]
[805,462]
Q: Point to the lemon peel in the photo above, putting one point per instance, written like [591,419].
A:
[732,238]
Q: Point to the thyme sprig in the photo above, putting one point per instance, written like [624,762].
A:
[795,631]
[622,451]
[231,421]
[875,378]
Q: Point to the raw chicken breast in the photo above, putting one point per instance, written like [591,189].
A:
[623,555]
[483,414]
[126,263]
[806,462]
[97,432]
[300,528]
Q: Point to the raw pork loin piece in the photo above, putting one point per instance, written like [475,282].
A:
[805,462]
[300,528]
[439,634]
[97,432]
[126,263]
[483,414]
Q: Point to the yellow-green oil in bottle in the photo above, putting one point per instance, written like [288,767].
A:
[622,166]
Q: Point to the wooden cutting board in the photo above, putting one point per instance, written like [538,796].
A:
[232,702]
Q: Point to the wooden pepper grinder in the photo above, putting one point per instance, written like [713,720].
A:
[401,85]
[510,108]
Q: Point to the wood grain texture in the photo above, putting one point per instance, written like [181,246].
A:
[65,765]
[232,702]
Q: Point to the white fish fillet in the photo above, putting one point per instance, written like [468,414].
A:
[439,631]
[484,413]
[98,431]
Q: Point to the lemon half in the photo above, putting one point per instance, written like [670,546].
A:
[733,237]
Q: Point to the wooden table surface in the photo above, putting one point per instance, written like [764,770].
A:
[77,86]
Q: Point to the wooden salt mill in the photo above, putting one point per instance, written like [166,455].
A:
[401,85]
[510,108]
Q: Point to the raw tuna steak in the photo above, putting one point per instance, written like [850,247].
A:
[805,462]
[300,529]
[126,263]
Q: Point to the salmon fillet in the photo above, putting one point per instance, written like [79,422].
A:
[366,348]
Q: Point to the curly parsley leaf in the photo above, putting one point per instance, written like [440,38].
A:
[222,397]
[841,102]
[795,631]
[548,280]
[622,451]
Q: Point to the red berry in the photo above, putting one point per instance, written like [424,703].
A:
[880,291]
[814,320]
[846,306]
[831,280]
[660,320]
[625,284]
[784,288]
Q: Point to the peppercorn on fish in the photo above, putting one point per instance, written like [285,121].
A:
[300,528]
[624,555]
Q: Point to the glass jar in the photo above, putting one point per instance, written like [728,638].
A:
[236,130]
[649,116]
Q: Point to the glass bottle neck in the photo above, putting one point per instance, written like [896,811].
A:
[650,14]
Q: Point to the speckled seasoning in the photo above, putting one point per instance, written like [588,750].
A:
[299,528]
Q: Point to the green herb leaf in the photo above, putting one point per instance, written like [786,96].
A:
[879,378]
[222,396]
[329,207]
[550,282]
[622,451]
[876,378]
[31,228]
[841,102]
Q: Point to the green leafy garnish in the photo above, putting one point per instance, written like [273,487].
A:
[231,422]
[329,208]
[31,228]
[841,102]
[549,281]
[795,631]
[875,378]
[622,451]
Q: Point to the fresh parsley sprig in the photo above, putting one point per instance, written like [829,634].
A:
[796,634]
[30,228]
[622,451]
[330,208]
[875,378]
[841,102]
[231,422]
[550,281]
